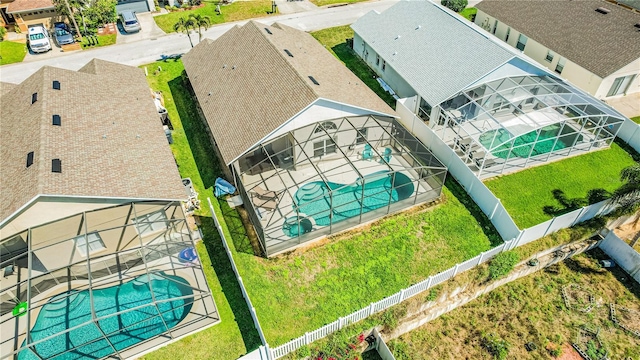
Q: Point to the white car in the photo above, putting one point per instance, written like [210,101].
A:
[39,40]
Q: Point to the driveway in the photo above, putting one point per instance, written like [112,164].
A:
[150,31]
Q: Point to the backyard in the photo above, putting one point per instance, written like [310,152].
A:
[532,309]
[238,10]
[537,194]
[12,52]
[321,284]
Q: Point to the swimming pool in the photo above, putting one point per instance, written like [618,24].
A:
[523,144]
[123,330]
[314,199]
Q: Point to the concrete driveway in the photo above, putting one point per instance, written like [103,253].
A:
[150,31]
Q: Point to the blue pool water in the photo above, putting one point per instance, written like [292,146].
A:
[314,200]
[62,313]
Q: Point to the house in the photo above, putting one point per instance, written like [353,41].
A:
[311,148]
[24,13]
[594,44]
[497,109]
[96,256]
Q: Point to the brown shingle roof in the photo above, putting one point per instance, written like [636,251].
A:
[26,5]
[599,43]
[248,86]
[110,142]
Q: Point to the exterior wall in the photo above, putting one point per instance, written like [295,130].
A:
[44,17]
[389,75]
[573,72]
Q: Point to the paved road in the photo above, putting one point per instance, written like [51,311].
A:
[146,51]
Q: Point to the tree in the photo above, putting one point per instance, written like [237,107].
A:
[455,5]
[90,13]
[200,22]
[185,24]
[627,196]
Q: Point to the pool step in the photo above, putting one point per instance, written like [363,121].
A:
[64,305]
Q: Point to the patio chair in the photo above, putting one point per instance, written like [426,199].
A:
[386,156]
[267,204]
[8,270]
[266,194]
[367,153]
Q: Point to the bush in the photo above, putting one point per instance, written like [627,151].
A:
[502,264]
[3,32]
[496,346]
[455,5]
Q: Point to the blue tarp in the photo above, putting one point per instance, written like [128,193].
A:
[223,187]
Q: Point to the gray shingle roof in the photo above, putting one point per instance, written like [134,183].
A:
[436,52]
[599,43]
[132,161]
[247,85]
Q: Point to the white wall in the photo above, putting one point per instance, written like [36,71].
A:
[630,69]
[623,254]
[389,75]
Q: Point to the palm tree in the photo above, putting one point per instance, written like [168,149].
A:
[627,196]
[200,22]
[185,24]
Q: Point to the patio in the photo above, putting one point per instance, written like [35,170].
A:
[333,175]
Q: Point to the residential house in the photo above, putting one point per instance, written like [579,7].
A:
[311,148]
[594,44]
[24,13]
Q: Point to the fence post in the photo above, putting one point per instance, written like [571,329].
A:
[495,208]
[371,309]
[401,296]
[480,258]
[578,216]
[339,323]
[455,270]
[429,282]
[306,338]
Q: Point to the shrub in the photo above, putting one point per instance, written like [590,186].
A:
[502,264]
[496,346]
[455,5]
[3,32]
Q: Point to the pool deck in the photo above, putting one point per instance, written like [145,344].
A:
[334,168]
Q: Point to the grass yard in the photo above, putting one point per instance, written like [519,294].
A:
[103,40]
[531,309]
[238,10]
[469,13]
[335,40]
[333,2]
[12,52]
[528,195]
[636,119]
[235,335]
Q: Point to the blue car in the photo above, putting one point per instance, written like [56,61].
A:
[62,34]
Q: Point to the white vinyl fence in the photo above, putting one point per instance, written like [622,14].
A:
[630,133]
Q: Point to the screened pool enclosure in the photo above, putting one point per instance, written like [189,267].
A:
[332,175]
[109,283]
[510,123]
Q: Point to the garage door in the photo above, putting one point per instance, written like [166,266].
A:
[138,6]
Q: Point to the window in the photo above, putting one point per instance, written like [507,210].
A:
[30,159]
[92,242]
[560,65]
[549,56]
[506,38]
[522,42]
[151,222]
[56,83]
[362,136]
[620,85]
[56,120]
[324,147]
[384,64]
[327,125]
[34,97]
[495,27]
[377,60]
[56,166]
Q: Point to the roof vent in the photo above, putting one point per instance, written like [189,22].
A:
[602,10]
[395,53]
[56,120]
[56,85]
[419,27]
[397,37]
[233,67]
[313,80]
[30,159]
[56,166]
[288,52]
[637,25]
[34,97]
[268,31]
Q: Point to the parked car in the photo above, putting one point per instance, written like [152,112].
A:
[129,21]
[39,40]
[62,34]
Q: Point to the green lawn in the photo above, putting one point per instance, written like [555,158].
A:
[235,335]
[636,119]
[12,52]
[238,10]
[335,40]
[528,194]
[103,40]
[469,13]
[332,2]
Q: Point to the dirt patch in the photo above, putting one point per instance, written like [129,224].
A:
[569,353]
[628,231]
